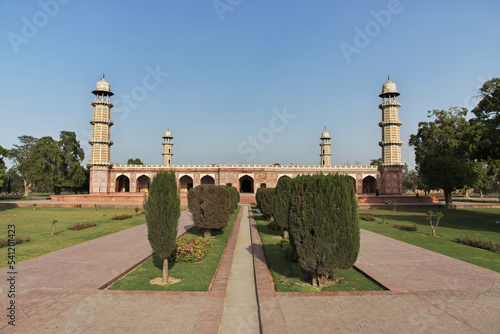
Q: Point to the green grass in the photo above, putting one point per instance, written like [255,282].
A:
[455,223]
[37,224]
[290,277]
[194,276]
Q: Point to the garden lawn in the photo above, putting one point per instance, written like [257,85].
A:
[194,276]
[289,276]
[455,223]
[37,224]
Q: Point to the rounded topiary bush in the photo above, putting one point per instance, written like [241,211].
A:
[210,207]
[324,227]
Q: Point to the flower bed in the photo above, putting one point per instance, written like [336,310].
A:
[191,249]
[121,217]
[287,248]
[367,218]
[81,226]
[411,228]
[5,242]
[472,241]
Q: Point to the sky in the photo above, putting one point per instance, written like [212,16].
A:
[240,81]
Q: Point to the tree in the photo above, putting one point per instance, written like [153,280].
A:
[235,197]
[282,202]
[53,165]
[136,161]
[267,202]
[411,181]
[487,115]
[210,207]
[375,162]
[19,155]
[3,169]
[324,229]
[443,151]
[15,181]
[162,207]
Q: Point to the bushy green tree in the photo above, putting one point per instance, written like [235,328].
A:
[19,155]
[487,115]
[267,202]
[3,169]
[324,227]
[210,207]
[235,197]
[282,201]
[135,161]
[162,207]
[443,151]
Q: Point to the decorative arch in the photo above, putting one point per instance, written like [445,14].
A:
[353,182]
[207,179]
[186,183]
[369,185]
[143,184]
[246,184]
[122,184]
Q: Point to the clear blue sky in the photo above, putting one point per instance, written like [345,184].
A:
[231,68]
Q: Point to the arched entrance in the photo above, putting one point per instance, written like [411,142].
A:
[186,183]
[369,185]
[143,184]
[354,184]
[207,179]
[246,184]
[122,184]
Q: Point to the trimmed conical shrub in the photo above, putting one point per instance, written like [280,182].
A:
[266,200]
[282,201]
[162,208]
[324,227]
[235,197]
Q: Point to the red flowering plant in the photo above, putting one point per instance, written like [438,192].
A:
[411,228]
[191,249]
[471,240]
[81,226]
[18,240]
[367,217]
[121,217]
[287,248]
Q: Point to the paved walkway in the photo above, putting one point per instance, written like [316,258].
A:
[429,293]
[241,314]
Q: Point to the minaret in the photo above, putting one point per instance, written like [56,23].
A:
[326,155]
[167,147]
[101,125]
[391,143]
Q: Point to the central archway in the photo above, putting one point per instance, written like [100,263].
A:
[246,184]
[186,183]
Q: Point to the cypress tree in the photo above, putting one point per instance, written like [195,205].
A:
[210,206]
[324,227]
[162,207]
[267,202]
[282,202]
[235,197]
